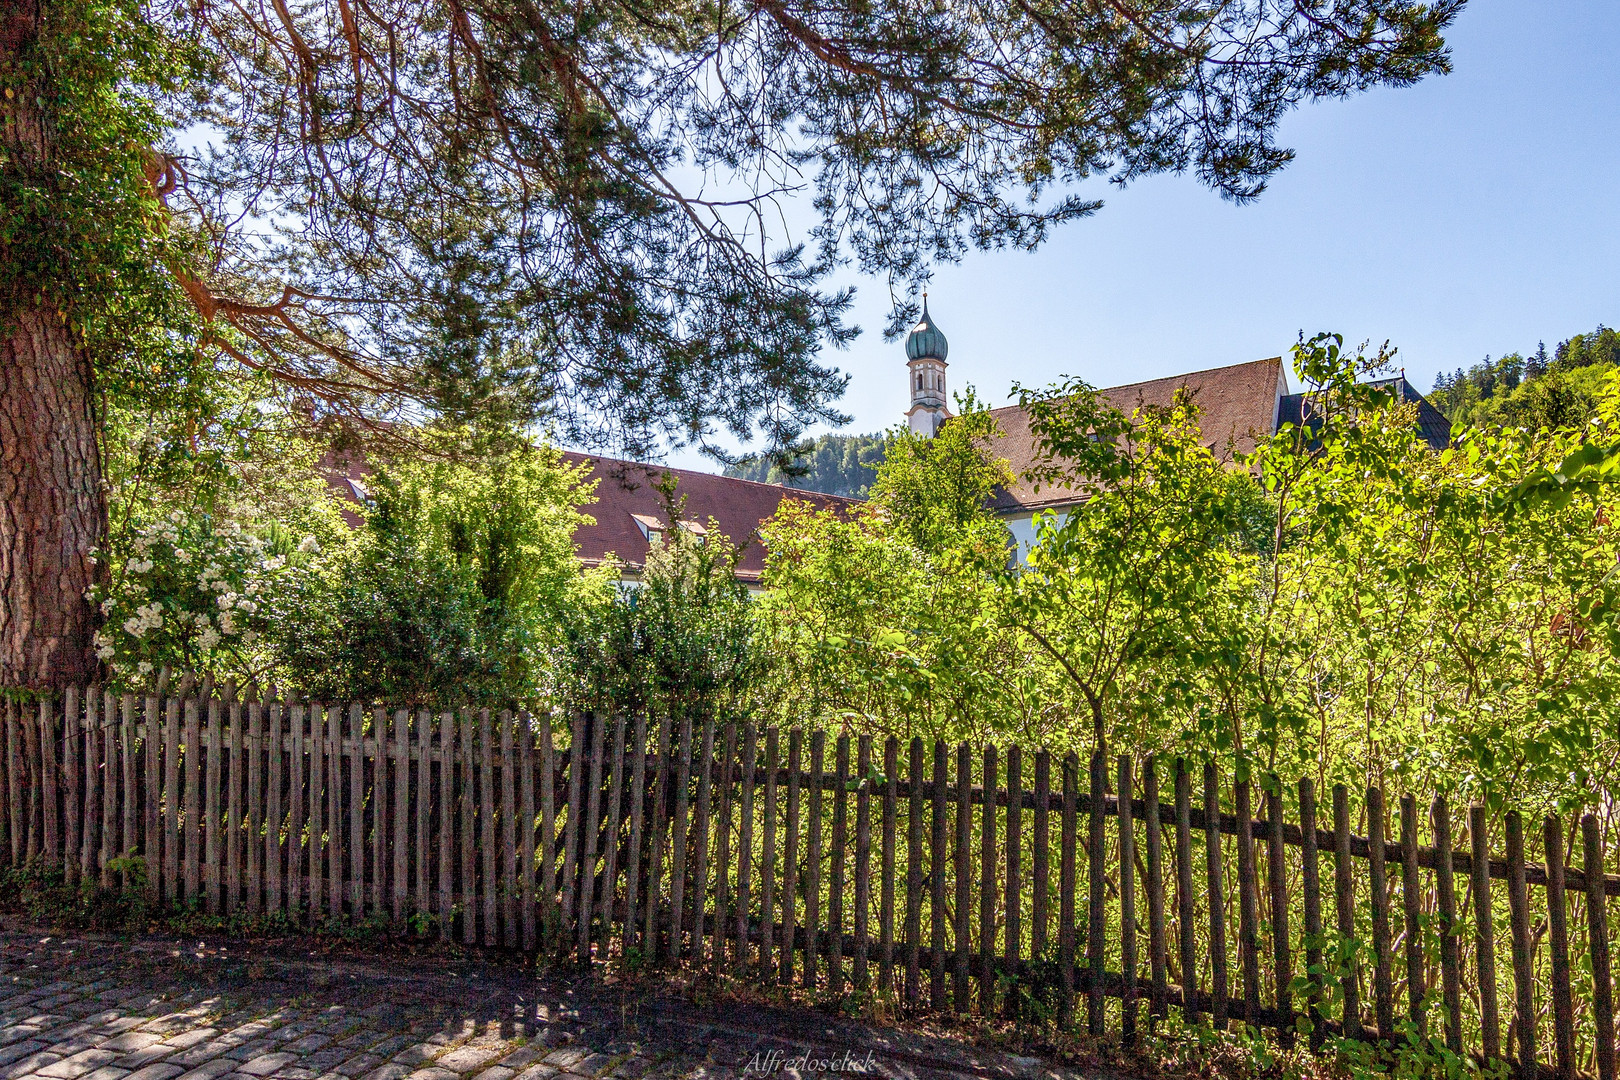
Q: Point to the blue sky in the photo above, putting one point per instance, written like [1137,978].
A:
[1471,214]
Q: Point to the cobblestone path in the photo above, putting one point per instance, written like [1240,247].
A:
[85,1008]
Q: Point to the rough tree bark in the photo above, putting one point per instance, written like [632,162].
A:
[52,506]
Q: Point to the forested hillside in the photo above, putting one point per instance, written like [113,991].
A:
[834,464]
[1534,391]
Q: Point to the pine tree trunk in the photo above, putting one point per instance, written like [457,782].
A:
[52,507]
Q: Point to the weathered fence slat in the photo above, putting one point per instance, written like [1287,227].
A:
[316,746]
[812,854]
[488,881]
[214,753]
[938,853]
[510,936]
[1524,1006]
[298,814]
[275,900]
[1411,908]
[914,873]
[422,789]
[379,811]
[610,872]
[1066,885]
[1282,970]
[1248,904]
[72,719]
[656,844]
[587,859]
[88,736]
[863,862]
[1311,880]
[1095,896]
[233,807]
[399,822]
[112,772]
[1184,893]
[767,869]
[1378,889]
[1013,886]
[1446,905]
[638,811]
[679,867]
[1040,865]
[334,811]
[526,868]
[700,846]
[1558,941]
[1158,958]
[964,878]
[891,790]
[48,768]
[468,806]
[255,807]
[1597,924]
[1213,862]
[1127,899]
[790,860]
[1484,935]
[722,846]
[987,884]
[14,783]
[357,811]
[172,875]
[550,921]
[835,883]
[1345,901]
[745,848]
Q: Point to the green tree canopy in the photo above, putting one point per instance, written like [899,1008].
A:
[1535,391]
[833,464]
[521,212]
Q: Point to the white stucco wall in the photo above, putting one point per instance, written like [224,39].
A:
[1022,526]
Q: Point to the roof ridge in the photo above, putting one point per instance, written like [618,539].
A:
[1163,378]
[654,467]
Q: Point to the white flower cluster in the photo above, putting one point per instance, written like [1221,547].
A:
[146,617]
[188,589]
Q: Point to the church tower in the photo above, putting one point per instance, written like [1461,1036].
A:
[926,350]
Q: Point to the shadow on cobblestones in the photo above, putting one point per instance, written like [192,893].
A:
[96,1008]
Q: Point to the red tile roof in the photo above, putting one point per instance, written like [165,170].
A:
[627,488]
[1237,404]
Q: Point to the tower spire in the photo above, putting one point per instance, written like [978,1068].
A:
[926,349]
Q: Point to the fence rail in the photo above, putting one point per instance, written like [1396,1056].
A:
[740,851]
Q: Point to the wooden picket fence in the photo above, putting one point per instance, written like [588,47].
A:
[721,848]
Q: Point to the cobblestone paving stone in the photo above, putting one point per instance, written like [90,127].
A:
[90,1008]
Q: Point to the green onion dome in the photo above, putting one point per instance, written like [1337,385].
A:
[926,342]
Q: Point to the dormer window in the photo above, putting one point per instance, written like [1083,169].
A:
[358,490]
[654,528]
[650,527]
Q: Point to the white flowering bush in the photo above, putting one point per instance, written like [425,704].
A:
[188,594]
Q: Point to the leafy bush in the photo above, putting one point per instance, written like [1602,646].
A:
[455,592]
[885,615]
[189,595]
[680,643]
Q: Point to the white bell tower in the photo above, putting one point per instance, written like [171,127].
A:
[926,349]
